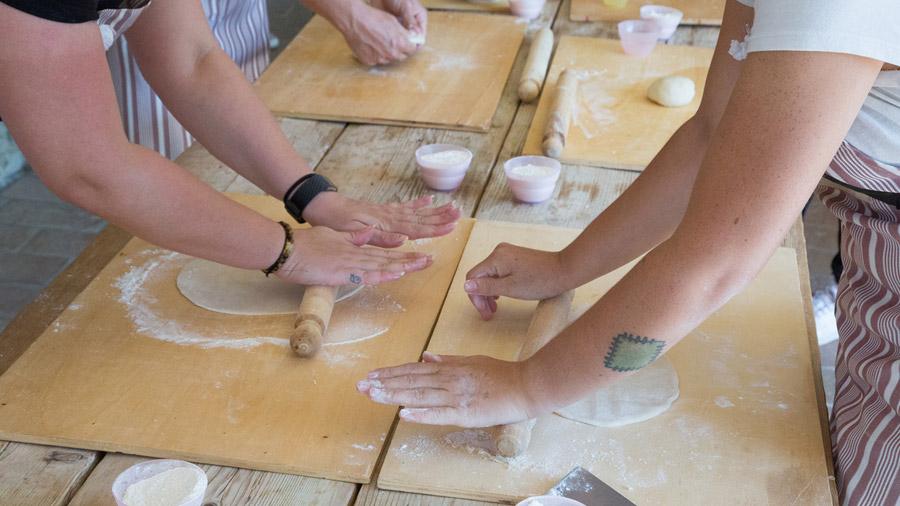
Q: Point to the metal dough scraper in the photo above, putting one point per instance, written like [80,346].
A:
[586,488]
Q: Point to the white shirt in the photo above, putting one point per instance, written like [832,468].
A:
[870,29]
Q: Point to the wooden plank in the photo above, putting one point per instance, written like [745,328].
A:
[111,374]
[227,486]
[696,12]
[47,475]
[455,81]
[498,6]
[616,125]
[745,425]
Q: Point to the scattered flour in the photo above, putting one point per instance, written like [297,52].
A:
[529,171]
[168,488]
[448,158]
[365,448]
[724,402]
[136,294]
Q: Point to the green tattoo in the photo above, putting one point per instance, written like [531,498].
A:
[630,353]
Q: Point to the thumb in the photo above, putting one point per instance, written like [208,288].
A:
[492,287]
[361,237]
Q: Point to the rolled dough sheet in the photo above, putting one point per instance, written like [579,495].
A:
[230,290]
[641,396]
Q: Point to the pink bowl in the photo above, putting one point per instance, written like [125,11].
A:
[639,36]
[526,9]
[666,17]
[532,188]
[445,176]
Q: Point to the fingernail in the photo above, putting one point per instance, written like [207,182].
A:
[470,285]
[410,413]
[362,386]
[372,375]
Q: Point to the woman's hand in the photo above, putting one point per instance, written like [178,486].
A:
[514,271]
[410,12]
[377,36]
[324,257]
[393,223]
[447,390]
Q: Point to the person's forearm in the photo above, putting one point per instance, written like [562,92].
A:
[645,215]
[340,13]
[218,106]
[156,200]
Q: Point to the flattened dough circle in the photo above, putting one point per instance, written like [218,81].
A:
[641,396]
[230,290]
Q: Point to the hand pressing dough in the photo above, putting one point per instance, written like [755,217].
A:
[672,91]
[230,290]
[641,396]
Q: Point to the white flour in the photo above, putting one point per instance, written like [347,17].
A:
[135,294]
[168,488]
[449,157]
[531,171]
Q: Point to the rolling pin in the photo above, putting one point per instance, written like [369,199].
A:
[536,65]
[561,111]
[549,319]
[312,319]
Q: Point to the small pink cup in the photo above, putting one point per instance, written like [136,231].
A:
[443,176]
[532,188]
[666,17]
[526,9]
[639,36]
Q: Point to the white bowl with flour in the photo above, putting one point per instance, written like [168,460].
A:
[443,166]
[550,500]
[160,483]
[532,179]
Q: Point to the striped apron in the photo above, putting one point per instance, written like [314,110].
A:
[241,28]
[865,420]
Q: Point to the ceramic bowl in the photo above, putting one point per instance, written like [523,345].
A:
[443,176]
[666,17]
[639,36]
[150,468]
[526,9]
[532,188]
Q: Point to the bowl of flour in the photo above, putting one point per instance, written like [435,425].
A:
[532,179]
[160,483]
[443,166]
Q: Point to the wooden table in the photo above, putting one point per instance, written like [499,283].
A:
[365,161]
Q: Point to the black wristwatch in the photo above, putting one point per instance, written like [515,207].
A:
[301,193]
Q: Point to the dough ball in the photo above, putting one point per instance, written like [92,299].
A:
[417,38]
[672,91]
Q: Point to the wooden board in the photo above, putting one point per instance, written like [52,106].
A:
[103,377]
[465,5]
[617,126]
[454,81]
[745,429]
[696,12]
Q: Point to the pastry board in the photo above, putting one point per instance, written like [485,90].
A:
[744,430]
[465,5]
[131,366]
[696,12]
[616,125]
[454,81]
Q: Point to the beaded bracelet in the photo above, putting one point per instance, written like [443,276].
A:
[286,250]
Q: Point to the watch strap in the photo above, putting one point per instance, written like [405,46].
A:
[302,192]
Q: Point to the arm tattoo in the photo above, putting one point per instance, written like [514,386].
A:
[630,353]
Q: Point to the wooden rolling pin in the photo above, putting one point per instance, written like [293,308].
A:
[312,319]
[536,65]
[561,111]
[550,317]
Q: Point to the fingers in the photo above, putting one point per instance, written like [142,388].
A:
[433,416]
[488,287]
[361,237]
[403,370]
[483,305]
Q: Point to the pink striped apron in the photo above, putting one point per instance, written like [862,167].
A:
[241,28]
[865,420]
